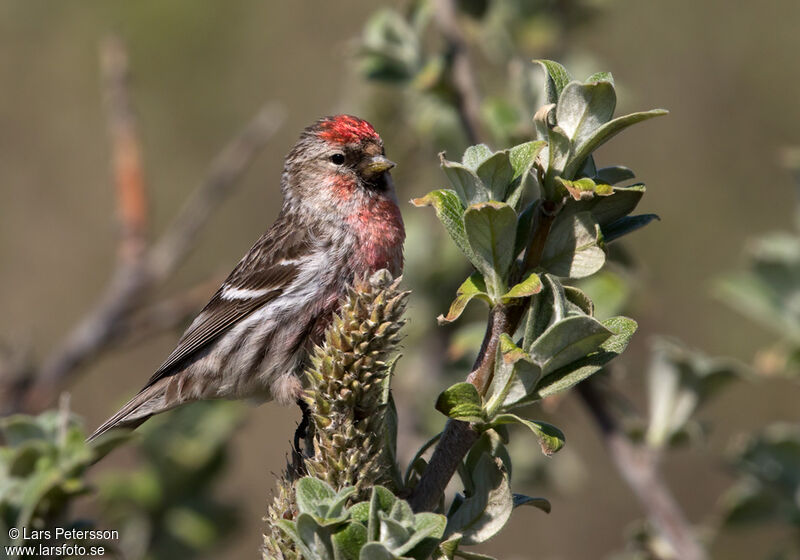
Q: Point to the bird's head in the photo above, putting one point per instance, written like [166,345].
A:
[337,161]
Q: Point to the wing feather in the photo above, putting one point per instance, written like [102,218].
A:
[269,267]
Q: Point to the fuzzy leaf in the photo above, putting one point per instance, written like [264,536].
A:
[380,503]
[473,287]
[530,284]
[450,212]
[524,155]
[515,375]
[556,78]
[348,541]
[484,513]
[474,156]
[311,493]
[579,299]
[496,174]
[491,229]
[428,530]
[547,307]
[603,134]
[572,374]
[461,402]
[376,551]
[604,209]
[291,531]
[466,183]
[601,77]
[567,341]
[574,247]
[583,108]
[551,439]
[557,150]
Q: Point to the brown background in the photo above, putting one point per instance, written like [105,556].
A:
[727,71]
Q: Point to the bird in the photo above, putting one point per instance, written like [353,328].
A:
[339,221]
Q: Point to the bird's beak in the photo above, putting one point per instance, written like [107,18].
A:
[376,165]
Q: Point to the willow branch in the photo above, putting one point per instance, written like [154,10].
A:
[458,437]
[465,84]
[222,177]
[638,466]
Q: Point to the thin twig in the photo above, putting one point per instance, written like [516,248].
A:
[132,209]
[465,84]
[138,269]
[638,466]
[223,175]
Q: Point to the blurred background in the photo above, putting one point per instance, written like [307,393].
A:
[200,71]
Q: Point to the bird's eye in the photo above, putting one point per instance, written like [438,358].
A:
[337,159]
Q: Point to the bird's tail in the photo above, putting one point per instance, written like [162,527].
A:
[149,401]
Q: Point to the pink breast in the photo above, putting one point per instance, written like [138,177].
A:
[379,228]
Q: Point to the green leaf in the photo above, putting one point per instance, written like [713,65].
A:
[572,374]
[567,341]
[515,375]
[557,150]
[476,155]
[496,174]
[473,287]
[468,186]
[530,284]
[380,503]
[376,551]
[556,78]
[626,225]
[613,175]
[547,307]
[583,108]
[428,530]
[461,402]
[348,542]
[450,212]
[574,247]
[603,134]
[579,299]
[551,439]
[584,188]
[19,428]
[491,229]
[601,77]
[483,514]
[311,492]
[489,443]
[315,538]
[291,531]
[524,155]
[523,500]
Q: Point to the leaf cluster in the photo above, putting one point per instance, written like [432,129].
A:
[42,466]
[490,213]
[382,528]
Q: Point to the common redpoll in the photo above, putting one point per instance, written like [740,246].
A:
[339,221]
